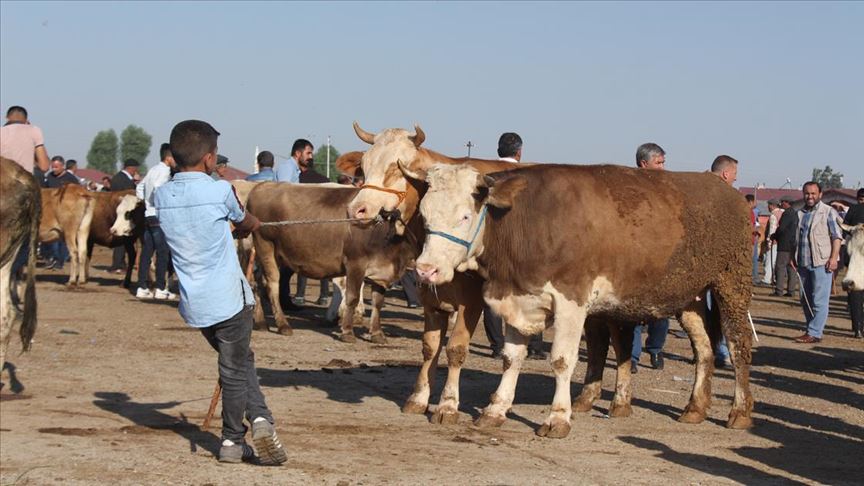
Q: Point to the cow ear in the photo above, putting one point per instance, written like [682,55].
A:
[415,174]
[503,189]
[348,163]
[851,228]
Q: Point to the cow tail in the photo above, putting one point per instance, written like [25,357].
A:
[28,324]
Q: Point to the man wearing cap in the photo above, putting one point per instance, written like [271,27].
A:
[123,181]
[221,168]
[783,241]
[774,212]
[816,257]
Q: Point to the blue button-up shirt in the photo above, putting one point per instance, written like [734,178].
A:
[287,171]
[265,174]
[193,212]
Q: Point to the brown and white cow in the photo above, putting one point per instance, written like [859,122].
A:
[118,220]
[19,228]
[67,213]
[325,250]
[557,244]
[387,190]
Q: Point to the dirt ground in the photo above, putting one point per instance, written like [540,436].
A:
[115,391]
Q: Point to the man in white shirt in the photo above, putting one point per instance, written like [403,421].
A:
[775,213]
[153,237]
[509,150]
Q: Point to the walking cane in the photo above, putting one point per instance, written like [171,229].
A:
[213,402]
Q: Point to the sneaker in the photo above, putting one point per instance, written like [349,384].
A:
[143,293]
[537,355]
[634,368]
[164,295]
[235,453]
[270,451]
[321,301]
[723,364]
[298,301]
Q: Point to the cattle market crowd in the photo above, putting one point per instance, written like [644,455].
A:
[450,232]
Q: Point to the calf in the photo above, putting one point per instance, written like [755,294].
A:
[67,213]
[118,220]
[557,244]
[20,202]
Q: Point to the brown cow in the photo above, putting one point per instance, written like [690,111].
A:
[67,213]
[698,229]
[325,250]
[118,220]
[19,228]
[378,167]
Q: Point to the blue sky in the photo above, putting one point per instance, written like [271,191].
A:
[776,85]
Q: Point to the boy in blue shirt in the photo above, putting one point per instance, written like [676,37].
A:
[194,211]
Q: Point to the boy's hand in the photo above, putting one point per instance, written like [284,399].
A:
[249,224]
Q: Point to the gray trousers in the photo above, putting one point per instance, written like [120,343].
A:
[241,394]
[784,275]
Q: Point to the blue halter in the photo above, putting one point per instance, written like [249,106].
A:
[460,241]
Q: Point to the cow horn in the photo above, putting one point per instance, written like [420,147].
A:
[419,137]
[363,134]
[416,175]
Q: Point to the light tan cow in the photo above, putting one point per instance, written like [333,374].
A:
[19,226]
[67,213]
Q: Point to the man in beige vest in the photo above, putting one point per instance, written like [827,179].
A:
[816,257]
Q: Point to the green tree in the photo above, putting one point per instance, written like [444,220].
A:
[135,144]
[320,160]
[828,178]
[103,152]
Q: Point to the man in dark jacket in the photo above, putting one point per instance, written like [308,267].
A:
[122,181]
[784,239]
[301,151]
[854,216]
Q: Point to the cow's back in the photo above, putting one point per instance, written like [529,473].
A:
[308,248]
[653,236]
[18,193]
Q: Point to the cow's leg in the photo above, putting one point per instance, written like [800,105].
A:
[733,313]
[267,259]
[693,321]
[457,351]
[259,321]
[376,335]
[597,341]
[569,321]
[513,354]
[90,244]
[131,255]
[8,312]
[434,331]
[622,342]
[71,239]
[353,286]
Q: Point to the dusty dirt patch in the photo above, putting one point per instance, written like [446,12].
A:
[115,390]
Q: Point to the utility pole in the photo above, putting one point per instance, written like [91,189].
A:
[469,145]
[328,156]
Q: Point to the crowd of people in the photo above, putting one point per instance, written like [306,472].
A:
[185,184]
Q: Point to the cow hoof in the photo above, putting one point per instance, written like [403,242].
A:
[557,430]
[620,410]
[445,417]
[582,405]
[738,421]
[415,408]
[378,338]
[348,337]
[691,417]
[285,330]
[487,421]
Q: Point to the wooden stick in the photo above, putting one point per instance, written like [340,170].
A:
[213,402]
